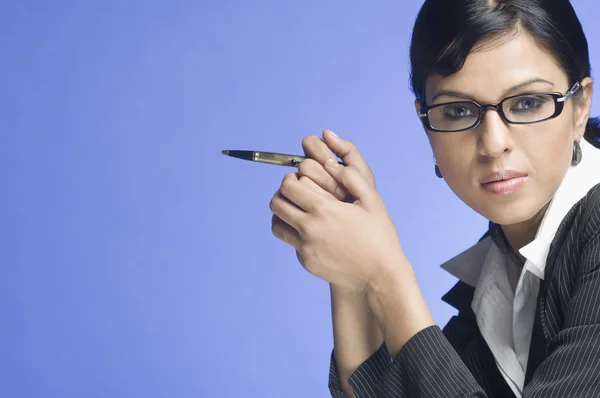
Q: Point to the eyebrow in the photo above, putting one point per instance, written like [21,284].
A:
[458,94]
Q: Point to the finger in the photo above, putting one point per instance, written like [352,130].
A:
[355,184]
[305,198]
[285,232]
[285,209]
[315,171]
[315,148]
[314,187]
[348,152]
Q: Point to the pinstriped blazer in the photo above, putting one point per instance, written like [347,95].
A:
[564,358]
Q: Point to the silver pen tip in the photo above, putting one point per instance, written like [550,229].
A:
[225,153]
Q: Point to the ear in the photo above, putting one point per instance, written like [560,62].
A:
[583,107]
[417,105]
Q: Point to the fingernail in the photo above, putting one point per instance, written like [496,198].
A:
[333,134]
[332,162]
[340,193]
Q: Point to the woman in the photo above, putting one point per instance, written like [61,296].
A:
[503,90]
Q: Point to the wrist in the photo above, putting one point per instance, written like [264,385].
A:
[388,290]
[339,294]
[392,273]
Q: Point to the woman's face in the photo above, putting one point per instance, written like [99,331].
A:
[541,152]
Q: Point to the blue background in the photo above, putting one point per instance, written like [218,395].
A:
[135,259]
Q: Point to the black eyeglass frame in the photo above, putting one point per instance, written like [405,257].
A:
[559,105]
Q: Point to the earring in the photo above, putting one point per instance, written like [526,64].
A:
[577,155]
[438,172]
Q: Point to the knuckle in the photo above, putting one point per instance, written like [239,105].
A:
[310,263]
[306,167]
[309,267]
[346,173]
[320,207]
[371,178]
[333,187]
[273,205]
[304,179]
[287,183]
[309,140]
[307,229]
[349,174]
[305,252]
[276,227]
[289,176]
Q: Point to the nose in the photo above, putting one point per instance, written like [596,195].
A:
[495,138]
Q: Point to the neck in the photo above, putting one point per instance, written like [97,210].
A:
[521,234]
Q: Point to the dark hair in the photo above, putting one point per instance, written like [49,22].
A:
[446,31]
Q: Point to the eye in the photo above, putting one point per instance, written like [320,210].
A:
[527,103]
[458,110]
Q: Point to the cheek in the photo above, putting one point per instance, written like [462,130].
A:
[548,149]
[449,149]
[455,155]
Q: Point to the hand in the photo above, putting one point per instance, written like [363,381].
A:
[318,151]
[351,245]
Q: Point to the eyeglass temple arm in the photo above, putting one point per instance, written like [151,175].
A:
[570,93]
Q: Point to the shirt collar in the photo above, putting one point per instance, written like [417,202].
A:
[467,265]
[575,185]
[577,182]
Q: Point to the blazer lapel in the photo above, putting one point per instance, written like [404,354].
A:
[537,348]
[463,334]
[460,297]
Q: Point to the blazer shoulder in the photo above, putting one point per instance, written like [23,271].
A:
[590,216]
[583,218]
[579,231]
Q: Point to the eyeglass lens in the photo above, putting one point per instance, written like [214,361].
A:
[464,115]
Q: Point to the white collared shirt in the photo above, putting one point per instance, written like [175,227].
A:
[505,298]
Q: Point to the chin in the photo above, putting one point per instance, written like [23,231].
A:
[523,205]
[510,211]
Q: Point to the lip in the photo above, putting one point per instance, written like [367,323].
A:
[504,182]
[502,176]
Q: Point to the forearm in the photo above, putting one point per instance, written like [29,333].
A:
[356,333]
[399,308]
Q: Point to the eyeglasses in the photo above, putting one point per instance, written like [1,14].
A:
[518,109]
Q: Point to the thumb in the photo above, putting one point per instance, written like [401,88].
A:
[348,152]
[355,184]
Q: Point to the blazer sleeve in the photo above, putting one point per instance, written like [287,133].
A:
[429,367]
[365,378]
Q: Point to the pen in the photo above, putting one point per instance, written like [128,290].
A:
[280,159]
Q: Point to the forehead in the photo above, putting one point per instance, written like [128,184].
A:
[499,64]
